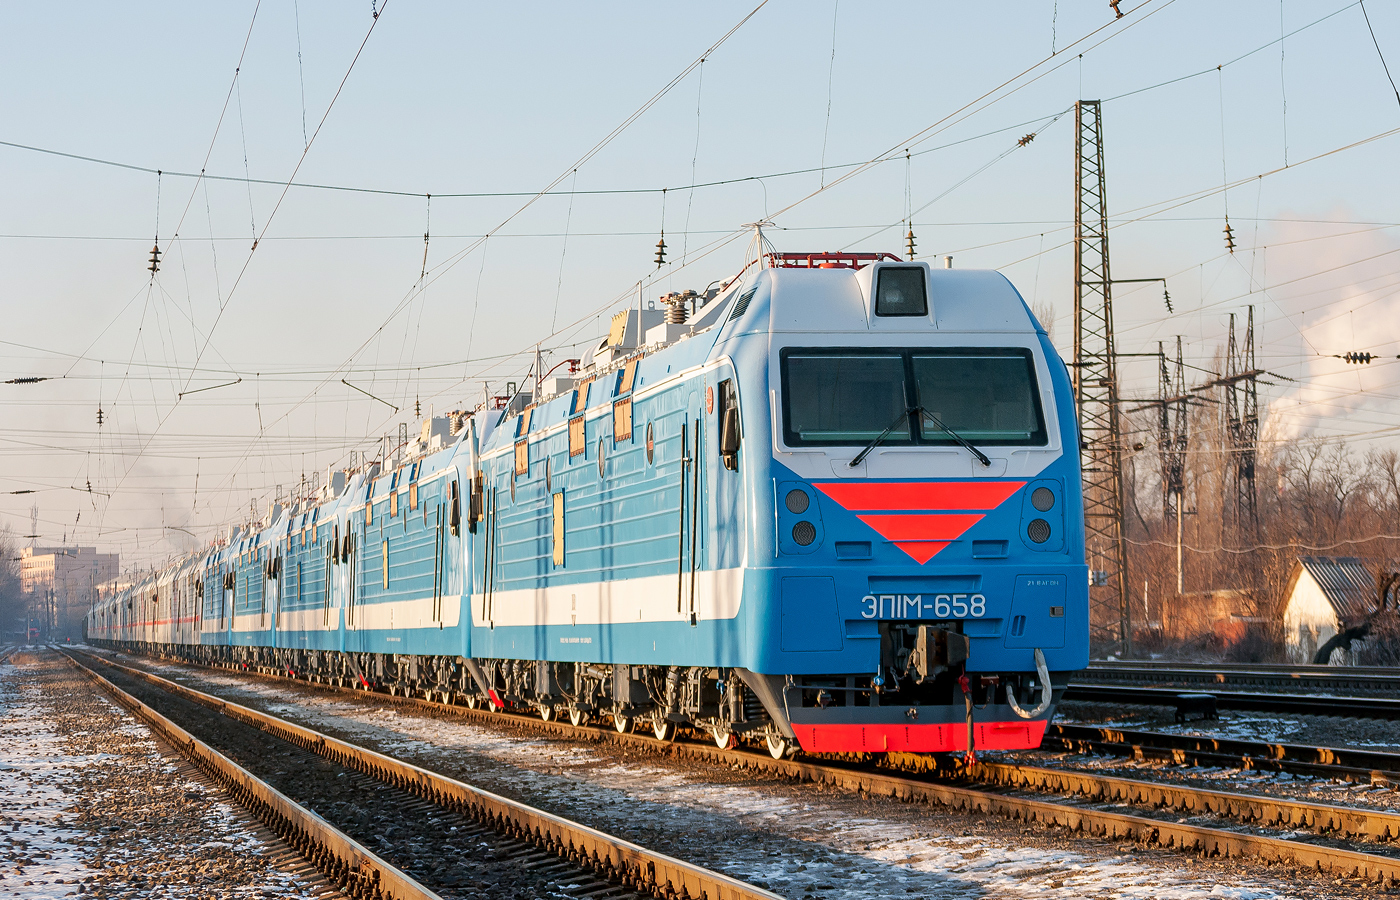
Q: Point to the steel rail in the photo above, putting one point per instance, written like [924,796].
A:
[1374,766]
[1373,679]
[1274,812]
[1301,669]
[1162,832]
[345,862]
[869,780]
[623,861]
[1303,704]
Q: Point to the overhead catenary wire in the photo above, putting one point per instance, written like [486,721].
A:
[568,232]
[588,155]
[719,242]
[830,81]
[1384,65]
[479,195]
[223,305]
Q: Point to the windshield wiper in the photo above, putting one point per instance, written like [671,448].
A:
[981,457]
[880,438]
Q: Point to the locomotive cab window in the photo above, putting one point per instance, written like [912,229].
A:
[899,291]
[987,397]
[843,397]
[847,397]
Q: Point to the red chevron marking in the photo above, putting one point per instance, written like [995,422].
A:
[921,526]
[906,495]
[921,551]
[921,536]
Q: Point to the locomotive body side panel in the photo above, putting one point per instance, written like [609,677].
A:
[845,505]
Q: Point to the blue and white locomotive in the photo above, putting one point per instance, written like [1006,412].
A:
[833,504]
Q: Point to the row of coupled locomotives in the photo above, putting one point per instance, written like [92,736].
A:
[831,504]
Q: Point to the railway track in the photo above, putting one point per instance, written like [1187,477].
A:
[1340,840]
[1365,766]
[1364,680]
[434,836]
[1258,701]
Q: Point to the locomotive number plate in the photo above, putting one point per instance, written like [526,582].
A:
[938,606]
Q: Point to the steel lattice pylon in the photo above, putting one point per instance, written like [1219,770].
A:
[1241,384]
[1096,389]
[1173,423]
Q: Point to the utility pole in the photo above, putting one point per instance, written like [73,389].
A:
[1096,389]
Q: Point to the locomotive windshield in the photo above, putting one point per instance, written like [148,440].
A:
[847,397]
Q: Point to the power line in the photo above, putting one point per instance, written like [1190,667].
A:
[445,266]
[1362,4]
[223,305]
[476,195]
[1241,57]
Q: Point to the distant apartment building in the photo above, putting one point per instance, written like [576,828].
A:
[59,582]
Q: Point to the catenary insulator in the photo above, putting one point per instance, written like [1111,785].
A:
[675,302]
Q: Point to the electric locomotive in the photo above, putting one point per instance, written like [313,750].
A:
[833,503]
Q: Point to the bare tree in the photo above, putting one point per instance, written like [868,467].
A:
[1385,469]
[11,600]
[1213,584]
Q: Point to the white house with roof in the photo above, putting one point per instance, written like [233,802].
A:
[1325,596]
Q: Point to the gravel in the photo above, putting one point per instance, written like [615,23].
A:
[446,852]
[93,807]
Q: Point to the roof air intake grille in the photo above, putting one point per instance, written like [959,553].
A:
[742,303]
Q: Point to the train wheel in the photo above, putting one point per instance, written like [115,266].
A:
[546,712]
[663,728]
[779,746]
[576,716]
[622,723]
[724,738]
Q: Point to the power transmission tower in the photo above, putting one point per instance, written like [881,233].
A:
[1241,383]
[1096,389]
[1172,429]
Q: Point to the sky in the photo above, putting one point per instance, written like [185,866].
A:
[297,319]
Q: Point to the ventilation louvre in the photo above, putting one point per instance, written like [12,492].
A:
[742,304]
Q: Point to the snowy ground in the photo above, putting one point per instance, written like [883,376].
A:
[800,841]
[91,807]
